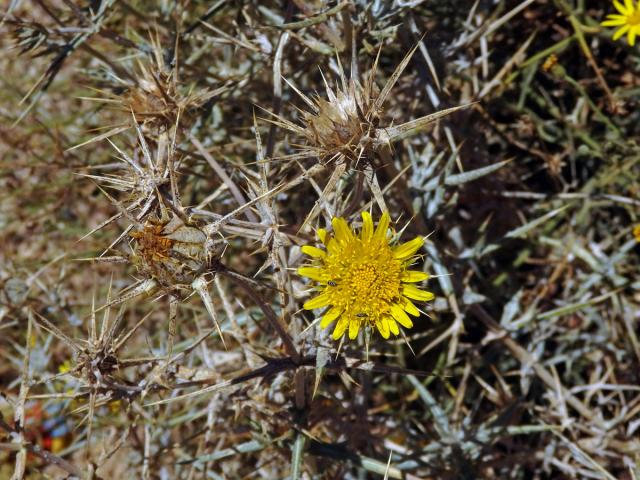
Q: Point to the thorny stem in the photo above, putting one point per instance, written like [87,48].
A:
[579,30]
[266,309]
[277,82]
[274,366]
[357,196]
[19,415]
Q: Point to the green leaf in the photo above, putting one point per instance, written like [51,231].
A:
[471,175]
[297,455]
[527,227]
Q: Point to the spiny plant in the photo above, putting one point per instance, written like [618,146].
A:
[345,127]
[343,131]
[151,94]
[173,254]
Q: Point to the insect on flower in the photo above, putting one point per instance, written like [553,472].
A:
[364,278]
[627,19]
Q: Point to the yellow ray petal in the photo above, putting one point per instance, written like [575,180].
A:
[614,23]
[354,327]
[632,36]
[333,247]
[314,273]
[393,326]
[414,276]
[621,8]
[620,32]
[408,249]
[318,302]
[415,293]
[341,326]
[313,251]
[629,5]
[342,230]
[615,16]
[367,226]
[381,230]
[400,316]
[322,235]
[410,308]
[383,327]
[330,316]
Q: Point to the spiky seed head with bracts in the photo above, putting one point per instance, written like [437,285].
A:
[97,358]
[175,255]
[344,124]
[158,102]
[344,127]
[143,178]
[152,91]
[30,36]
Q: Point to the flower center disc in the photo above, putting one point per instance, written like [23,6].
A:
[366,278]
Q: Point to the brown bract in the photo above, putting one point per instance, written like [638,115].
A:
[155,96]
[153,100]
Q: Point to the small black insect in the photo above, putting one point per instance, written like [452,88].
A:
[361,315]
[331,283]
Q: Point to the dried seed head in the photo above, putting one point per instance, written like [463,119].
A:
[157,101]
[152,100]
[30,36]
[169,251]
[344,127]
[97,364]
[157,96]
[344,124]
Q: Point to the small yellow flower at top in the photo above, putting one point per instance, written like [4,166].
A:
[364,278]
[636,232]
[628,20]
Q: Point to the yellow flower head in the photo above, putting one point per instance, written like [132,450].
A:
[364,278]
[628,20]
[636,232]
